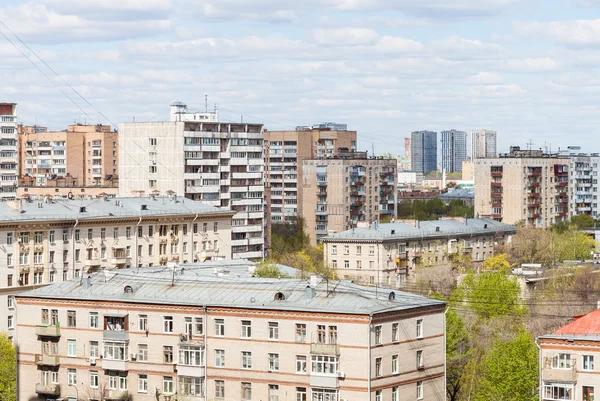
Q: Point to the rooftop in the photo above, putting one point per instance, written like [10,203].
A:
[422,229]
[102,208]
[586,327]
[458,194]
[200,284]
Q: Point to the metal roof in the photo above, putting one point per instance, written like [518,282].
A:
[202,284]
[103,208]
[586,327]
[422,229]
[458,194]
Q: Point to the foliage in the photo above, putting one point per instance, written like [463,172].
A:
[583,221]
[572,245]
[531,245]
[489,294]
[458,352]
[433,209]
[268,269]
[8,369]
[497,263]
[510,371]
[289,236]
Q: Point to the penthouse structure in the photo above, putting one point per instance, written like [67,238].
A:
[285,151]
[347,190]
[196,156]
[161,334]
[387,254]
[9,158]
[523,185]
[58,240]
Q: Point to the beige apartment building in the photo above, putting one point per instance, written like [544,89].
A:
[188,334]
[82,156]
[567,360]
[285,151]
[523,185]
[388,254]
[347,191]
[57,240]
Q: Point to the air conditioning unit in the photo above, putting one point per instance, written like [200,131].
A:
[341,375]
[92,361]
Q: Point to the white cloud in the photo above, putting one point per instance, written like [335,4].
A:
[586,3]
[533,65]
[344,36]
[576,33]
[431,8]
[457,48]
[485,78]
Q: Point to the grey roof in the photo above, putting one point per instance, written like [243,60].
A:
[458,194]
[425,229]
[198,285]
[100,208]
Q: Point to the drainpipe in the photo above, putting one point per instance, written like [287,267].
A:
[73,247]
[137,256]
[369,355]
[445,349]
[540,388]
[192,246]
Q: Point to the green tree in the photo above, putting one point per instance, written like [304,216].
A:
[8,369]
[572,245]
[510,371]
[583,221]
[268,269]
[458,352]
[497,263]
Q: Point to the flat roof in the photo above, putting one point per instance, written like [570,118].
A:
[204,284]
[101,208]
[424,229]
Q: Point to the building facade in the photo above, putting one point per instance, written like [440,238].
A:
[424,151]
[454,150]
[408,149]
[346,191]
[9,157]
[161,335]
[387,255]
[567,356]
[483,144]
[523,185]
[285,151]
[197,157]
[51,241]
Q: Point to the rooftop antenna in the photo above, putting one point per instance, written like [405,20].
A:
[529,145]
[373,149]
[206,103]
[242,119]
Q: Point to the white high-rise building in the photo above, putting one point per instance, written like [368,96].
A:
[483,144]
[454,150]
[583,181]
[9,158]
[196,156]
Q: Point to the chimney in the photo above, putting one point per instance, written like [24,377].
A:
[86,282]
[310,292]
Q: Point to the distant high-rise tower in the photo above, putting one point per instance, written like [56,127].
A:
[407,149]
[483,144]
[424,151]
[454,150]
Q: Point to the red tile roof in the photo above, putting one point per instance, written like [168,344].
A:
[582,325]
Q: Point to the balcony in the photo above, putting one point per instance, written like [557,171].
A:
[46,330]
[496,174]
[534,195]
[116,395]
[496,184]
[533,205]
[47,389]
[496,204]
[324,381]
[118,260]
[496,194]
[110,364]
[324,349]
[567,375]
[47,360]
[496,216]
[91,262]
[534,173]
[190,370]
[561,184]
[534,184]
[116,335]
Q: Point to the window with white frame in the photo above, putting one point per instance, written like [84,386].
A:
[246,329]
[191,355]
[324,364]
[246,360]
[301,363]
[419,328]
[419,359]
[168,385]
[378,335]
[395,364]
[72,377]
[167,324]
[273,362]
[142,355]
[219,389]
[320,394]
[395,393]
[273,331]
[220,358]
[219,327]
[142,383]
[419,390]
[378,395]
[93,320]
[71,347]
[559,391]
[588,362]
[273,392]
[94,379]
[562,361]
[395,334]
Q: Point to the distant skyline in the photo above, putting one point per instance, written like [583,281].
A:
[527,69]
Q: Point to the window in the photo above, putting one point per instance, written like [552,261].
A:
[334,249]
[300,332]
[167,324]
[150,249]
[273,362]
[394,363]
[143,322]
[71,318]
[10,301]
[420,328]
[346,264]
[321,334]
[394,331]
[9,260]
[588,393]
[10,322]
[142,353]
[90,233]
[116,233]
[71,377]
[273,331]
[420,359]
[94,379]
[204,227]
[150,230]
[219,358]
[190,355]
[246,391]
[93,320]
[65,235]
[559,391]
[198,326]
[378,395]
[332,335]
[168,386]
[219,389]
[246,360]
[94,349]
[9,238]
[562,361]
[273,392]
[54,317]
[378,367]
[371,250]
[115,351]
[168,353]
[324,364]
[142,383]
[77,235]
[395,394]
[219,327]
[419,390]
[246,329]
[378,336]
[191,385]
[215,227]
[301,394]
[301,363]
[588,362]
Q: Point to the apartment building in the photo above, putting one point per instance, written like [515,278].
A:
[202,159]
[483,144]
[454,150]
[9,158]
[408,149]
[424,151]
[285,151]
[58,240]
[165,334]
[388,254]
[567,356]
[523,185]
[347,190]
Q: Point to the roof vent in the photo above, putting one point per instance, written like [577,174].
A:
[280,296]
[485,226]
[437,229]
[86,282]
[144,207]
[392,296]
[82,209]
[393,232]
[310,292]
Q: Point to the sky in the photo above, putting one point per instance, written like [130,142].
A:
[528,69]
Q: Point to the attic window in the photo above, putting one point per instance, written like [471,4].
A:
[392,296]
[393,232]
[82,209]
[144,207]
[280,296]
[128,289]
[437,229]
[485,226]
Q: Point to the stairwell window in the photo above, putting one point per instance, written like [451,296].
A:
[378,336]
